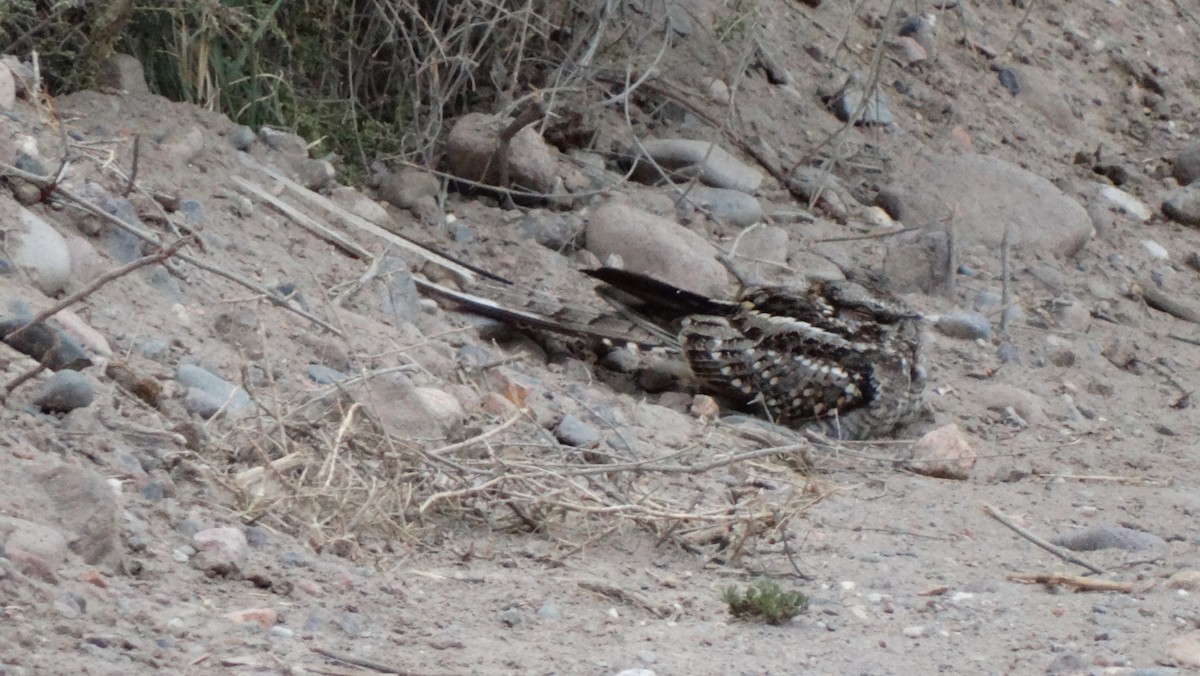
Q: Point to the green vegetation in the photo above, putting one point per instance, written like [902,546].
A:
[765,602]
[373,79]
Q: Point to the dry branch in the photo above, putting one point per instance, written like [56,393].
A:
[95,285]
[1075,582]
[1044,544]
[1158,299]
[303,220]
[53,186]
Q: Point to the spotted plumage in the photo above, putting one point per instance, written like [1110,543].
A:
[834,356]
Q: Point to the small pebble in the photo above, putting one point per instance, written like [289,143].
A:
[1155,250]
[243,138]
[575,432]
[1008,80]
[510,617]
[323,375]
[964,325]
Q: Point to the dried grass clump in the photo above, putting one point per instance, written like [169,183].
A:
[324,471]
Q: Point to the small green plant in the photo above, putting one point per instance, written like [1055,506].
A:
[765,601]
[732,27]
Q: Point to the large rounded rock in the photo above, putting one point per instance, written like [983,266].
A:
[473,142]
[982,196]
[38,249]
[685,158]
[80,502]
[658,247]
[65,391]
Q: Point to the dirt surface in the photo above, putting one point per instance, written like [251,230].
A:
[1092,423]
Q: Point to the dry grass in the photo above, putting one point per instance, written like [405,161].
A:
[323,470]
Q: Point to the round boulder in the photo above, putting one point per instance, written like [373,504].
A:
[655,246]
[985,196]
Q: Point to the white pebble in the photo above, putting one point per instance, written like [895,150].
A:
[1155,250]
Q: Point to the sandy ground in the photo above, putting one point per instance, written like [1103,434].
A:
[905,572]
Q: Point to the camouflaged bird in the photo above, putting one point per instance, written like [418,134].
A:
[835,357]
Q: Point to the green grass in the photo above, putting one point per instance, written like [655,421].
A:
[765,602]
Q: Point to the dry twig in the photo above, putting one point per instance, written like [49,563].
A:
[1075,582]
[1044,544]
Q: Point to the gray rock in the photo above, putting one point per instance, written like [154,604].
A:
[123,73]
[243,138]
[575,432]
[920,28]
[152,491]
[65,391]
[1185,166]
[401,299]
[1183,205]
[1007,353]
[1008,400]
[181,145]
[989,195]
[550,229]
[510,617]
[40,339]
[1009,80]
[964,325]
[403,188]
[193,212]
[765,243]
[1109,536]
[164,282]
[121,245]
[220,551]
[876,110]
[152,348]
[203,404]
[986,300]
[284,142]
[684,158]
[918,261]
[832,197]
[80,502]
[1068,664]
[208,393]
[316,175]
[548,612]
[1116,199]
[728,206]
[39,251]
[473,141]
[656,246]
[38,539]
[460,232]
[350,623]
[323,375]
[395,403]
[8,88]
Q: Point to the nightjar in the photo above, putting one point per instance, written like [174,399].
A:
[835,357]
